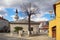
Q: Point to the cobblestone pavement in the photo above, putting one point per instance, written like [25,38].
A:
[41,37]
[3,36]
[12,38]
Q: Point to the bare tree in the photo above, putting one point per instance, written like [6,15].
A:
[29,9]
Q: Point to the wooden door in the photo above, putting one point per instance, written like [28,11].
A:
[54,32]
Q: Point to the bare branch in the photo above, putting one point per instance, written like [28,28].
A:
[29,8]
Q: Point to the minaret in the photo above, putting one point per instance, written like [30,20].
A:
[16,15]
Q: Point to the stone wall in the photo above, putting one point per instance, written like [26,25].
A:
[25,27]
[4,23]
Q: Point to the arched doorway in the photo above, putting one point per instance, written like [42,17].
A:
[54,32]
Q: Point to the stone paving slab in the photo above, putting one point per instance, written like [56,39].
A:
[15,37]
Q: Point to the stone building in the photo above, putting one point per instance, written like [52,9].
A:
[24,24]
[4,25]
[44,26]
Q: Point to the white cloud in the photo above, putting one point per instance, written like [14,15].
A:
[13,17]
[21,18]
[0,15]
[39,19]
[3,12]
[43,4]
[38,15]
[11,3]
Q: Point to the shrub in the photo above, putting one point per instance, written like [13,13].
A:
[17,29]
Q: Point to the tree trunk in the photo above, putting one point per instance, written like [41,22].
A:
[29,26]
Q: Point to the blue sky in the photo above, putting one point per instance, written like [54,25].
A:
[7,9]
[11,11]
